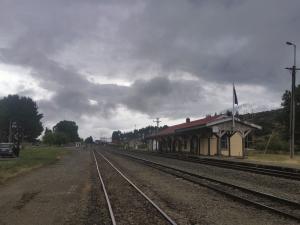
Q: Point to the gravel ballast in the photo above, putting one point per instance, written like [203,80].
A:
[128,205]
[281,187]
[188,203]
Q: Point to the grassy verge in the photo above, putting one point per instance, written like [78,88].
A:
[275,158]
[30,158]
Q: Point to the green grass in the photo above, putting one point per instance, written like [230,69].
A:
[30,158]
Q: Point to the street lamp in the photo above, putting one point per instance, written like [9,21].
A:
[290,43]
[292,113]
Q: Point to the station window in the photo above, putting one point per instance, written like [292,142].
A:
[185,144]
[224,141]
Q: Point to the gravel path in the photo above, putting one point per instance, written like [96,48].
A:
[191,204]
[57,194]
[285,188]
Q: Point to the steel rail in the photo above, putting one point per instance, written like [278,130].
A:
[139,190]
[248,168]
[238,166]
[243,199]
[112,216]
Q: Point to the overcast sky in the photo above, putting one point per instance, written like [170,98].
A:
[109,64]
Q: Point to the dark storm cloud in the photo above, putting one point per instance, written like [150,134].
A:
[221,42]
[73,103]
[147,43]
[171,98]
[46,28]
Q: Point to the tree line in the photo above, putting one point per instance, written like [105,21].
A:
[119,136]
[62,133]
[276,124]
[22,113]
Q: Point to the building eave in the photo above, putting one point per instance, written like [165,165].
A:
[236,120]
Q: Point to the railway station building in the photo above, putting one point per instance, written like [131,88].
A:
[210,136]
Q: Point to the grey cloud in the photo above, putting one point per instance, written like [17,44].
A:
[146,43]
[187,38]
[48,28]
[164,97]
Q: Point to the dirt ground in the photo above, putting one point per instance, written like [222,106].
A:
[57,194]
[69,193]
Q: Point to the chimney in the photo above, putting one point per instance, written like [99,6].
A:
[188,120]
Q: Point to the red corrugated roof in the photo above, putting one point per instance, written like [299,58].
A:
[195,123]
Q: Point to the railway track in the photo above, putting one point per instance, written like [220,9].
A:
[276,171]
[145,209]
[281,206]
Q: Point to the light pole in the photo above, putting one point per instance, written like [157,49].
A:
[292,113]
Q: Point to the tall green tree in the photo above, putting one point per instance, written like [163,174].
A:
[116,136]
[23,111]
[286,104]
[48,137]
[89,140]
[69,128]
[60,138]
[55,138]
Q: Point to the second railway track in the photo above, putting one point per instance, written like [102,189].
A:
[275,171]
[278,205]
[127,204]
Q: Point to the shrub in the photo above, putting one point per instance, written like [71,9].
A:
[276,144]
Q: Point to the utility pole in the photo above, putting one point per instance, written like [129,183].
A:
[292,113]
[157,121]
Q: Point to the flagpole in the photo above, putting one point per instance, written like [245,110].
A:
[233,124]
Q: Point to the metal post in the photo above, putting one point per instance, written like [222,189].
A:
[233,111]
[157,121]
[292,150]
[208,146]
[243,147]
[229,145]
[292,113]
[218,145]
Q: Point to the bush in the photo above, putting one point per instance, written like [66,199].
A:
[57,138]
[276,144]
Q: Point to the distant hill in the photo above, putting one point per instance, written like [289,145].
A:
[269,120]
[250,108]
[273,135]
